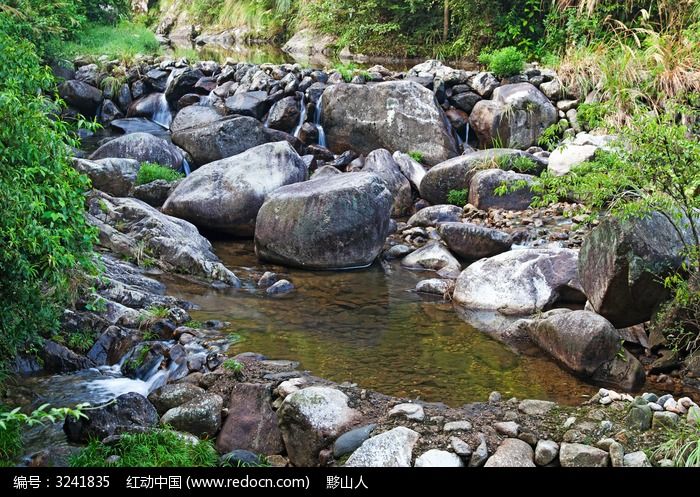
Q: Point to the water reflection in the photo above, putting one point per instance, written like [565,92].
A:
[369,327]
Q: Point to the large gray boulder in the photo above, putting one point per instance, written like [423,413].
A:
[200,416]
[333,222]
[80,95]
[471,241]
[134,229]
[623,264]
[515,117]
[142,147]
[249,103]
[484,184]
[311,419]
[588,345]
[226,195]
[193,116]
[129,412]
[381,163]
[284,114]
[432,256]
[396,115]
[182,82]
[113,176]
[224,138]
[435,214]
[512,453]
[173,395]
[391,449]
[456,174]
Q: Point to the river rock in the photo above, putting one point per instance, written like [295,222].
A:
[172,395]
[226,195]
[310,419]
[413,412]
[251,103]
[391,449]
[507,428]
[113,176]
[155,193]
[520,283]
[281,287]
[435,286]
[639,418]
[224,138]
[336,222]
[324,172]
[563,159]
[396,115]
[575,455]
[637,460]
[181,82]
[432,256]
[200,416]
[251,423]
[664,419]
[308,42]
[129,412]
[436,214]
[512,453]
[142,147]
[58,358]
[456,173]
[515,117]
[484,83]
[483,185]
[587,344]
[546,452]
[349,441]
[471,242]
[381,163]
[111,346]
[284,114]
[82,96]
[109,112]
[532,407]
[622,266]
[435,458]
[133,228]
[465,101]
[194,116]
[412,169]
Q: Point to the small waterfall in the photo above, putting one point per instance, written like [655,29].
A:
[186,167]
[317,122]
[302,117]
[161,114]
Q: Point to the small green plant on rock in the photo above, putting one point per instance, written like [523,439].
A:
[149,172]
[416,155]
[591,116]
[505,62]
[236,367]
[457,197]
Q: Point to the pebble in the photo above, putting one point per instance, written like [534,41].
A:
[280,288]
[507,428]
[617,454]
[606,425]
[529,438]
[457,426]
[605,443]
[546,452]
[290,386]
[672,406]
[650,397]
[662,400]
[435,458]
[666,463]
[460,447]
[481,454]
[510,416]
[351,440]
[413,412]
[495,397]
[569,422]
[636,460]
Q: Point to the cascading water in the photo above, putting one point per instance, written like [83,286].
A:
[317,122]
[161,113]
[186,167]
[302,116]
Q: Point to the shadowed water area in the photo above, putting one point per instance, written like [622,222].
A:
[370,327]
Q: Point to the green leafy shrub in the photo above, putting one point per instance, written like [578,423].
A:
[417,155]
[46,241]
[591,116]
[682,446]
[152,449]
[150,172]
[552,135]
[505,62]
[236,367]
[457,197]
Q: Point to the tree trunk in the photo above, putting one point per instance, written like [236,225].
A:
[445,20]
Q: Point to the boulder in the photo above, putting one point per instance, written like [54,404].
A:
[251,423]
[512,453]
[484,84]
[181,82]
[201,416]
[381,163]
[546,452]
[396,115]
[432,256]
[391,449]
[308,42]
[250,103]
[575,455]
[563,159]
[226,195]
[89,74]
[142,147]
[310,419]
[334,222]
[58,358]
[129,412]
[113,176]
[622,266]
[434,215]
[146,106]
[456,174]
[155,193]
[109,112]
[133,228]
[112,345]
[324,172]
[483,185]
[194,116]
[586,343]
[520,282]
[471,241]
[435,458]
[173,395]
[435,286]
[284,115]
[409,167]
[515,117]
[82,96]
[224,138]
